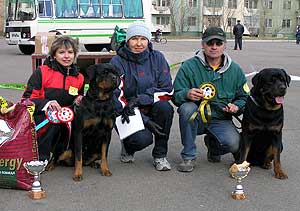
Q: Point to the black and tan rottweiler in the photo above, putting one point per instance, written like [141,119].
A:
[262,122]
[95,119]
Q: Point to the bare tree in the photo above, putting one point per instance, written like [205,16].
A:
[227,13]
[179,12]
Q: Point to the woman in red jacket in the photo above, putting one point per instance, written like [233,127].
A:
[55,84]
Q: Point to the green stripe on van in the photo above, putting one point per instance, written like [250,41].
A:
[90,35]
[87,21]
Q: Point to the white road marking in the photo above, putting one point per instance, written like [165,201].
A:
[293,77]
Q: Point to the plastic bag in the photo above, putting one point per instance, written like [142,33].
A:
[117,38]
[18,144]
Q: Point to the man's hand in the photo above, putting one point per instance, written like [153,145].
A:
[155,129]
[129,110]
[231,108]
[195,94]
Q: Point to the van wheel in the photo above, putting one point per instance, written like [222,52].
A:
[27,49]
[96,47]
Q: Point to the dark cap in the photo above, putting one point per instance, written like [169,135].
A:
[213,33]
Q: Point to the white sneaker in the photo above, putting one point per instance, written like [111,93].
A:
[161,164]
[125,157]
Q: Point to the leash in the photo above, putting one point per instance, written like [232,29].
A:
[209,92]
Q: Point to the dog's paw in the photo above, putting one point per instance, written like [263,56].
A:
[267,165]
[95,165]
[50,167]
[106,173]
[280,175]
[77,178]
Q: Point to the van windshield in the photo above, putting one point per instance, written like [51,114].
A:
[20,10]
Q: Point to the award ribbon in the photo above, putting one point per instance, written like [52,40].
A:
[209,92]
[66,115]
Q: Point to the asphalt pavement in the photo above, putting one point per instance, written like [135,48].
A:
[138,186]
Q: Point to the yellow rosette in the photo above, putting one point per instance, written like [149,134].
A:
[209,92]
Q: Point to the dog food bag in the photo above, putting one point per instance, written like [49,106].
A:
[17,145]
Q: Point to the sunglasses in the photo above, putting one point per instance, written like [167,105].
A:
[217,42]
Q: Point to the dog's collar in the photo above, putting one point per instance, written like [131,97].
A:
[254,101]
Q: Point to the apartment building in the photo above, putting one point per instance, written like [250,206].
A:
[276,18]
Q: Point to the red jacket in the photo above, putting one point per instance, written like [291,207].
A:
[52,81]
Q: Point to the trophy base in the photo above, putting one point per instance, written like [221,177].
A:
[238,196]
[37,195]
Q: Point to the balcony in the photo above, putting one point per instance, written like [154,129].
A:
[160,10]
[208,11]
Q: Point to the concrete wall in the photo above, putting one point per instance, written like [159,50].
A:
[2,22]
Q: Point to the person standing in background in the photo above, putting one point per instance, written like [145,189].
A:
[238,31]
[298,34]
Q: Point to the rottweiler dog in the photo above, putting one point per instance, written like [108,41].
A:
[262,122]
[95,119]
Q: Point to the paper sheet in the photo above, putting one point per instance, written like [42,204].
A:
[136,124]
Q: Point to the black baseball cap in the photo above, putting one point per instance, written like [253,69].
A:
[213,33]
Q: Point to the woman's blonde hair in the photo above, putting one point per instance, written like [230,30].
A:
[63,41]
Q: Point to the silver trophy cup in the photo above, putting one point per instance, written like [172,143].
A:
[35,168]
[240,174]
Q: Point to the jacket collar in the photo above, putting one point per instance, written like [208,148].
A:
[53,64]
[140,58]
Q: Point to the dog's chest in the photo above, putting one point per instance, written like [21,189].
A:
[257,118]
[99,116]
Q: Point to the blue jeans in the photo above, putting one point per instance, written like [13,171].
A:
[224,131]
[162,114]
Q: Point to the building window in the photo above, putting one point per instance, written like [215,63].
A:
[287,5]
[286,23]
[231,22]
[232,4]
[161,20]
[191,21]
[268,23]
[192,3]
[165,3]
[213,20]
[268,4]
[252,21]
[214,3]
[251,4]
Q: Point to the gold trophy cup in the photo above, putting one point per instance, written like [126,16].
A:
[239,172]
[35,168]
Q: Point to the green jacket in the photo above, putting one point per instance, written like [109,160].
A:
[229,79]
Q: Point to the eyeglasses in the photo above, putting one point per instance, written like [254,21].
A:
[217,42]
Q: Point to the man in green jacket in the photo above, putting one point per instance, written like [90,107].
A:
[209,89]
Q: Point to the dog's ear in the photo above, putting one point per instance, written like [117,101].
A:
[112,68]
[256,82]
[91,72]
[116,70]
[286,77]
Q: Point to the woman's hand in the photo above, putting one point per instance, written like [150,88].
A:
[53,105]
[195,94]
[78,99]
